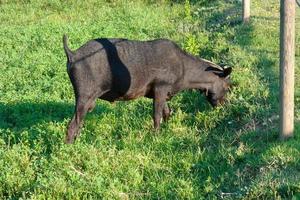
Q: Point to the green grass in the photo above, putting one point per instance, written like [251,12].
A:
[231,152]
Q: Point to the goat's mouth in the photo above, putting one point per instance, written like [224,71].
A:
[212,102]
[216,103]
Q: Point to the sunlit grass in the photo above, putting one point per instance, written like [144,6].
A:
[229,152]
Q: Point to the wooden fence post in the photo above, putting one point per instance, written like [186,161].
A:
[287,62]
[246,11]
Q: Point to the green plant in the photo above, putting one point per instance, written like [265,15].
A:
[229,152]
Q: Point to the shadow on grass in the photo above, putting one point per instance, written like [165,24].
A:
[27,114]
[263,18]
[29,122]
[193,101]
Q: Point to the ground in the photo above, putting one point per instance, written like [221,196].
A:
[231,152]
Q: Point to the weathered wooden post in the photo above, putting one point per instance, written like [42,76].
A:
[287,62]
[246,11]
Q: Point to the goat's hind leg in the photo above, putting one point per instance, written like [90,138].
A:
[83,105]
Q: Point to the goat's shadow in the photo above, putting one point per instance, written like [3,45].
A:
[28,122]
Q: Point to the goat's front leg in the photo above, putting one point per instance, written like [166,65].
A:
[166,112]
[159,101]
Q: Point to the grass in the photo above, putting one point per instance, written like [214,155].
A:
[231,152]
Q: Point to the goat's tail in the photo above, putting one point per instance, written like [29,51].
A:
[68,51]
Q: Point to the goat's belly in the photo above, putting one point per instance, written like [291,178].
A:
[112,96]
[135,93]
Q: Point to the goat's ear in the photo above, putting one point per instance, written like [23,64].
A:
[223,74]
[227,71]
